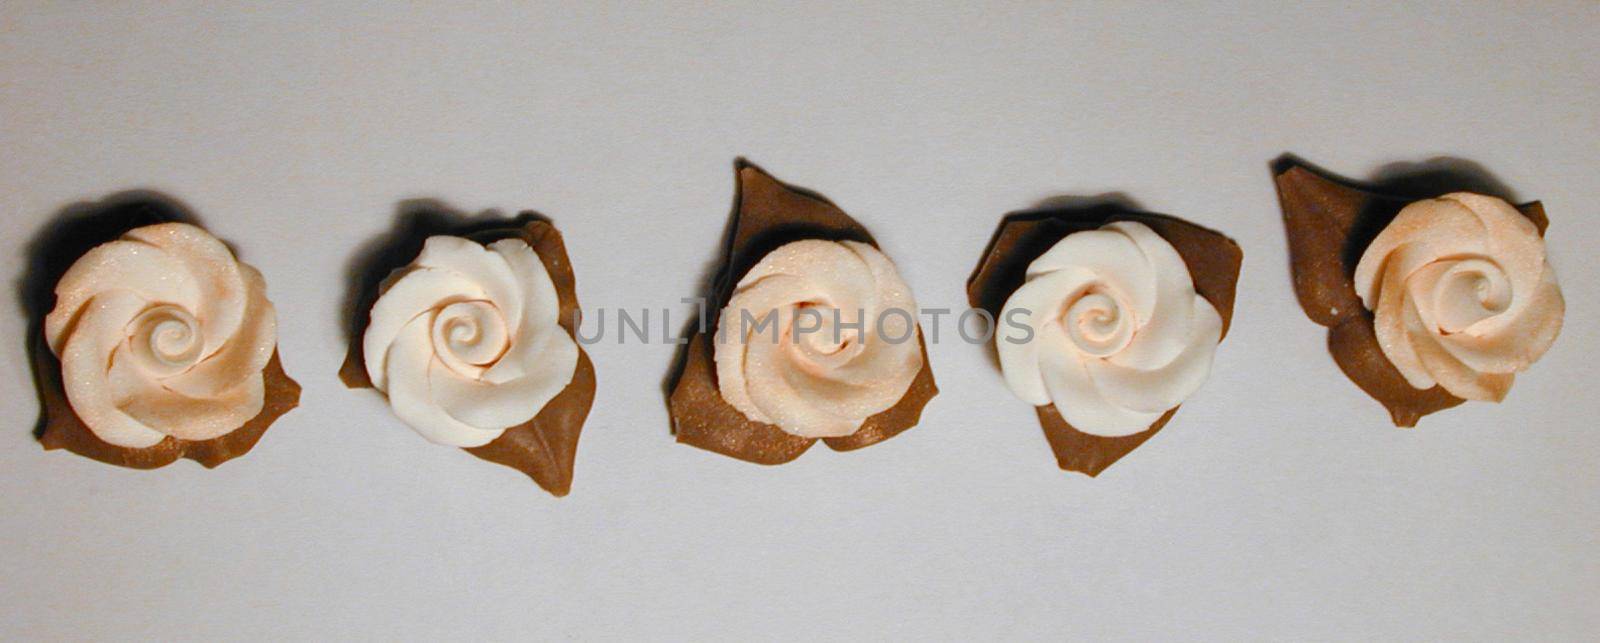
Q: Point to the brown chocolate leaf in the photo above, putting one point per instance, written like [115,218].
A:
[701,418]
[545,448]
[1329,224]
[770,214]
[64,430]
[1212,258]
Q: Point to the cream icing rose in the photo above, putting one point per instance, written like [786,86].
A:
[1461,294]
[466,341]
[162,332]
[1109,328]
[817,337]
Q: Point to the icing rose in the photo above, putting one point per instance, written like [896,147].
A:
[1109,328]
[818,337]
[1461,294]
[162,332]
[466,340]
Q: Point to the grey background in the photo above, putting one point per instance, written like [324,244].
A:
[1279,504]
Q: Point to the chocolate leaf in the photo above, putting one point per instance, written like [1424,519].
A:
[545,447]
[701,418]
[769,214]
[1354,345]
[1329,224]
[1212,258]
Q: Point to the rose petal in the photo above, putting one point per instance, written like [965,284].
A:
[1164,328]
[803,407]
[214,269]
[1523,340]
[1158,389]
[85,357]
[809,384]
[486,270]
[541,309]
[1079,400]
[417,291]
[551,358]
[1018,344]
[1394,322]
[132,266]
[408,365]
[1450,373]
[182,416]
[244,355]
[1437,228]
[1113,256]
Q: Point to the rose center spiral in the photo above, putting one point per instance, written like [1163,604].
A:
[1470,291]
[1097,324]
[823,343]
[165,339]
[469,336]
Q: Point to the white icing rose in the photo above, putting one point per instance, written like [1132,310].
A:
[162,332]
[1461,294]
[840,347]
[466,341]
[1109,328]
